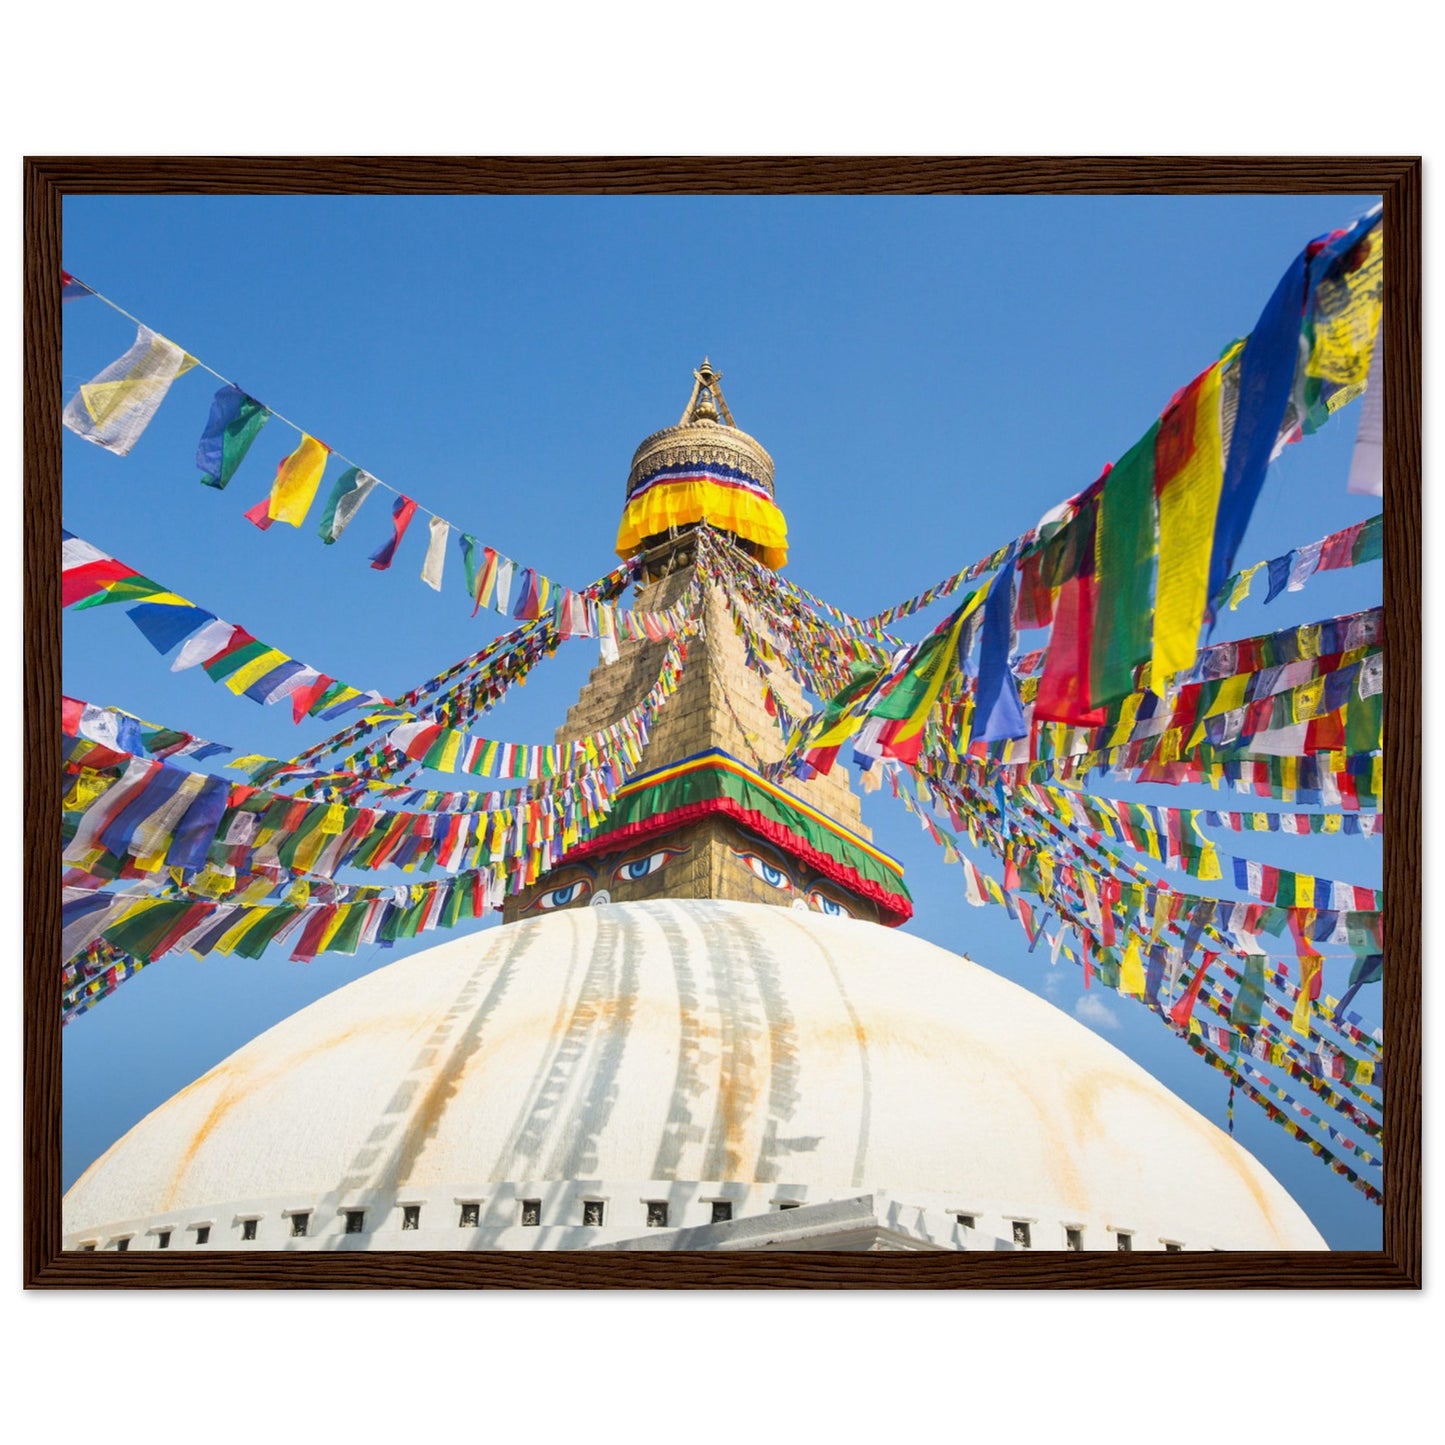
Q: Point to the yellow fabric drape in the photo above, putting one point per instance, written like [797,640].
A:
[682,503]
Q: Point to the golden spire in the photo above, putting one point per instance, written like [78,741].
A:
[706,400]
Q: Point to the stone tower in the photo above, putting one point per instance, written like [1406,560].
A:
[699,819]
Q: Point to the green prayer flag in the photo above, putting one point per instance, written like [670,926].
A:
[236,421]
[257,939]
[1126,551]
[223,667]
[347,938]
[128,589]
[352,488]
[1247,1010]
[1363,719]
[1370,544]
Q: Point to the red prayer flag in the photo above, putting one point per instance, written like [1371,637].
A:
[1063,694]
[260,514]
[1183,1011]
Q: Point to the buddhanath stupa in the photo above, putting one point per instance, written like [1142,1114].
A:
[703,1029]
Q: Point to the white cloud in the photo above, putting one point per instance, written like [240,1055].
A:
[1095,1012]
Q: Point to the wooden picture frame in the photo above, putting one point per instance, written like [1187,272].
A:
[49,179]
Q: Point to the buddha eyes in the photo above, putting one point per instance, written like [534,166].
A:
[561,897]
[641,867]
[827,905]
[773,877]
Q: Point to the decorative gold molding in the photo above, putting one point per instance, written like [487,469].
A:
[701,442]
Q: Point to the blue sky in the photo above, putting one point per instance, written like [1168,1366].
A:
[929,374]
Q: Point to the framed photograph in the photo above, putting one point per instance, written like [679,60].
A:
[663,723]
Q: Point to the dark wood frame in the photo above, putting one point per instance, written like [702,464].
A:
[48,179]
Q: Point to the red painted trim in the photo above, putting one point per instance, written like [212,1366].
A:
[893,908]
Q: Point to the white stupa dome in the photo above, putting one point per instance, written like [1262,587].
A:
[639,1074]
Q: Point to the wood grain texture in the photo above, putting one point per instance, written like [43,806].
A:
[47,180]
[1403,658]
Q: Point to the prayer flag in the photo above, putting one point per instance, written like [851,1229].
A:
[352,488]
[1311,973]
[436,554]
[402,511]
[1266,377]
[1124,550]
[71,289]
[297,479]
[1247,1010]
[235,422]
[86,570]
[281,681]
[1367,463]
[1279,570]
[1183,1010]
[1063,694]
[912,698]
[1131,970]
[1188,474]
[164,625]
[113,410]
[529,604]
[999,713]
[206,644]
[505,569]
[305,697]
[260,514]
[469,545]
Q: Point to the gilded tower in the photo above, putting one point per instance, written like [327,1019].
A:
[701,818]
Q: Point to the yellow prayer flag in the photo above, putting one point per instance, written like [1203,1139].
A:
[310,848]
[332,928]
[1127,713]
[1309,968]
[1131,971]
[255,670]
[1242,585]
[237,931]
[169,599]
[1347,311]
[296,481]
[88,786]
[1308,700]
[451,747]
[1188,504]
[1230,695]
[255,890]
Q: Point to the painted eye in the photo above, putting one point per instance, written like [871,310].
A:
[641,867]
[773,877]
[561,897]
[830,906]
